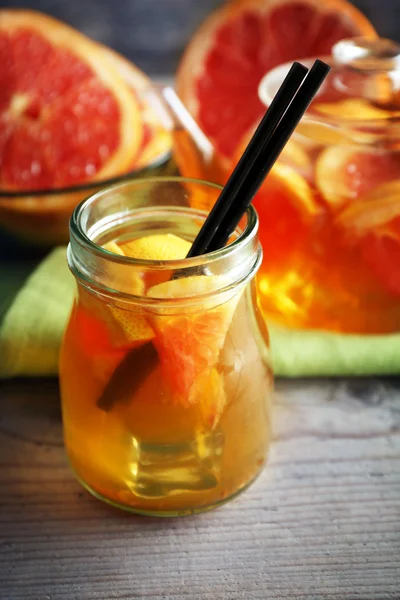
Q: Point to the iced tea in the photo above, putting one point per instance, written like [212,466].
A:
[164,370]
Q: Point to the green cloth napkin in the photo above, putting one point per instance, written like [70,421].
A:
[32,328]
[31,332]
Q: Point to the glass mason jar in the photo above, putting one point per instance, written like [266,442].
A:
[330,210]
[164,370]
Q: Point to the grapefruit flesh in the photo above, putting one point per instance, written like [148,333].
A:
[220,71]
[66,115]
[189,343]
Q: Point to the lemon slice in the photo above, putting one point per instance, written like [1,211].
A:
[164,246]
[134,324]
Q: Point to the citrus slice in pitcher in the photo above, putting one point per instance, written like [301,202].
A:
[239,43]
[66,115]
[373,211]
[285,203]
[344,173]
[381,252]
[373,222]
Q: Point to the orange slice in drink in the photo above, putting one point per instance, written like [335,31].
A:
[343,174]
[190,340]
[66,115]
[220,71]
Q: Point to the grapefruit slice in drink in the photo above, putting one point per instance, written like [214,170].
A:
[109,332]
[220,71]
[189,341]
[160,247]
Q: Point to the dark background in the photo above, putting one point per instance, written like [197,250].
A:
[153,33]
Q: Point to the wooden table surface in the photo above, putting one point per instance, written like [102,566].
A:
[323,521]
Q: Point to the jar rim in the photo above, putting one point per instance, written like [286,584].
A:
[108,274]
[244,237]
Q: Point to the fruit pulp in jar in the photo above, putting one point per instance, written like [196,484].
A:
[186,425]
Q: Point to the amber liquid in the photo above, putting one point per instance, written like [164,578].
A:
[316,275]
[149,452]
[192,163]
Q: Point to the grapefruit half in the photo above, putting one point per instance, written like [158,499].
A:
[66,114]
[221,68]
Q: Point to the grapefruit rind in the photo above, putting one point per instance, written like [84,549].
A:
[345,173]
[330,175]
[114,248]
[160,137]
[208,393]
[354,109]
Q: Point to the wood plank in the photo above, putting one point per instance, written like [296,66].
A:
[322,522]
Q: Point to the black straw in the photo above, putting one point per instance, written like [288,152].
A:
[238,177]
[267,143]
[215,235]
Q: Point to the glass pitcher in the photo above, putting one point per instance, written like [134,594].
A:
[330,210]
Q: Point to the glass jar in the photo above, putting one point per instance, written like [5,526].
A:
[330,210]
[164,370]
